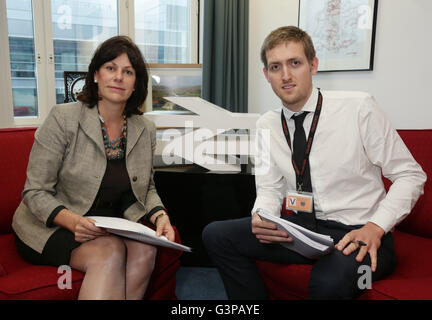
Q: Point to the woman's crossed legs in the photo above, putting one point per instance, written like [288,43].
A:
[115,268]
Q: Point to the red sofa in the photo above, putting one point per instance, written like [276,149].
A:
[21,280]
[412,278]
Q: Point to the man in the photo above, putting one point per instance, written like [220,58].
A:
[350,144]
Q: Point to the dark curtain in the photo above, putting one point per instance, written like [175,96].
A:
[225,53]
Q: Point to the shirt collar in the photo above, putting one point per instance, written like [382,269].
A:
[309,106]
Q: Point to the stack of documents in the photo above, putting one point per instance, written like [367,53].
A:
[310,244]
[136,231]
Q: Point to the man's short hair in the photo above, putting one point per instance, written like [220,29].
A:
[287,34]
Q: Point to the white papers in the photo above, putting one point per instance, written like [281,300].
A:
[136,231]
[310,244]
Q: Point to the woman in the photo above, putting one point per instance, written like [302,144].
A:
[94,157]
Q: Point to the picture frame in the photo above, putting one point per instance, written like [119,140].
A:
[73,82]
[173,80]
[343,32]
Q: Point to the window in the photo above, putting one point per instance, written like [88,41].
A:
[163,30]
[167,33]
[78,27]
[46,38]
[22,57]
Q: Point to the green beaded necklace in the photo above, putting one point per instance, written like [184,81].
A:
[114,149]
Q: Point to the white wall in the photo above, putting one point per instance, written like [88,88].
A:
[401,80]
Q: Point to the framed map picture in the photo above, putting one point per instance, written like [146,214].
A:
[343,32]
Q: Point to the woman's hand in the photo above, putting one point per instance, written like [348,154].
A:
[163,226]
[85,230]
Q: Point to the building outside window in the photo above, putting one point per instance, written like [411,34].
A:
[78,27]
[162,32]
[22,57]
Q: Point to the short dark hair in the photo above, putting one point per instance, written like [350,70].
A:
[286,34]
[107,51]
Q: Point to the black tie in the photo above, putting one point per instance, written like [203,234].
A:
[306,219]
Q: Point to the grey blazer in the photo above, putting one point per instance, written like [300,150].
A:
[66,166]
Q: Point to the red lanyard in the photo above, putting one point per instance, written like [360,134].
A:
[300,172]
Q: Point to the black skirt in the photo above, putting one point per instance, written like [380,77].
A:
[58,249]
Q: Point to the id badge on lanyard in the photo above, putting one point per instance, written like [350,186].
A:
[299,200]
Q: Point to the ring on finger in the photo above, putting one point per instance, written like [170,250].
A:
[361,243]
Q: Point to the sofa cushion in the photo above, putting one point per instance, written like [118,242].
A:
[38,282]
[419,221]
[21,280]
[285,281]
[10,259]
[412,278]
[2,271]
[414,256]
[400,289]
[13,164]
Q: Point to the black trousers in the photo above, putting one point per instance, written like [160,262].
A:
[234,248]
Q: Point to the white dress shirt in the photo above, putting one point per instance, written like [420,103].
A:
[354,144]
